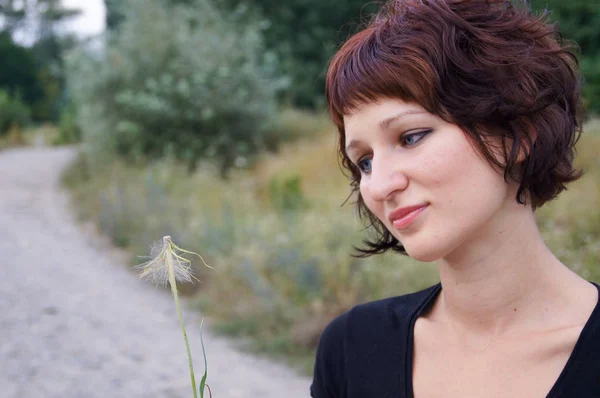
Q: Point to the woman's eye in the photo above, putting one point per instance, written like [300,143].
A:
[412,139]
[364,165]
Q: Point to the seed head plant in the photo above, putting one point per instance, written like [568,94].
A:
[167,264]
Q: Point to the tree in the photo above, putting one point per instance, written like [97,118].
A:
[37,71]
[182,81]
[49,49]
[305,34]
[114,13]
[579,20]
[12,14]
[19,71]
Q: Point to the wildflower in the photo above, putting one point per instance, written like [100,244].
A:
[167,264]
[166,258]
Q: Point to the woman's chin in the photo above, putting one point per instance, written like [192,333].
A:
[425,254]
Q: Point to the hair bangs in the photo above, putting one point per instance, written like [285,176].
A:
[366,69]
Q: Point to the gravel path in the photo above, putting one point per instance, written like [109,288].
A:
[74,322]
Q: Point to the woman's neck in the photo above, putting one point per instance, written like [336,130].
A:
[505,279]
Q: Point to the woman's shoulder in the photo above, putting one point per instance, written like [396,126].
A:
[377,317]
[398,307]
[367,333]
[396,311]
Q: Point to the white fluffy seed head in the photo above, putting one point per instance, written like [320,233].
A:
[163,255]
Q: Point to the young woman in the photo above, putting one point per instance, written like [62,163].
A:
[457,119]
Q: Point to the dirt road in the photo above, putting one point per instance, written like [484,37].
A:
[74,322]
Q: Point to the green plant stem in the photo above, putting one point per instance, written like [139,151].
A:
[176,298]
[203,381]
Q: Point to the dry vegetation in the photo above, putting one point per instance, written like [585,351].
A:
[33,136]
[279,239]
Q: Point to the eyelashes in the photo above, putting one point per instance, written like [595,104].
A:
[420,136]
[362,165]
[407,140]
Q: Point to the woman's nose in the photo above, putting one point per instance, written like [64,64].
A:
[386,178]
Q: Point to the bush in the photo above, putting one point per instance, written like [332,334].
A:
[578,20]
[180,80]
[68,129]
[19,72]
[13,113]
[590,67]
[305,34]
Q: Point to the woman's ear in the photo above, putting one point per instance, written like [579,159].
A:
[527,141]
[500,145]
[526,146]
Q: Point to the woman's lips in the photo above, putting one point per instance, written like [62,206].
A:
[407,219]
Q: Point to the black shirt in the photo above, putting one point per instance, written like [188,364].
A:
[367,352]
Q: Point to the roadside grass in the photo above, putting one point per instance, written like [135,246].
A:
[38,135]
[279,239]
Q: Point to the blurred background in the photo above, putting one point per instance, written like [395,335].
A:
[205,120]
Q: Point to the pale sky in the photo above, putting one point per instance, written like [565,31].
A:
[92,19]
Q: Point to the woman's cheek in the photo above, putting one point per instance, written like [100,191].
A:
[364,193]
[374,206]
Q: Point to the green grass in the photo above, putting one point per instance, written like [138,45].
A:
[279,240]
[42,135]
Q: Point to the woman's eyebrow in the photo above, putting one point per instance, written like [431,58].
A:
[352,145]
[385,123]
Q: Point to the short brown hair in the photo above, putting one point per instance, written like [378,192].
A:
[489,66]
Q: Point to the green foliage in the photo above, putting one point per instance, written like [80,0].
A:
[114,13]
[36,71]
[286,194]
[18,70]
[13,112]
[579,20]
[12,13]
[590,67]
[68,129]
[305,34]
[49,51]
[180,80]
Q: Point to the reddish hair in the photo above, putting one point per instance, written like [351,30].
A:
[488,66]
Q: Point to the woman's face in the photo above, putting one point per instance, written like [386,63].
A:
[410,158]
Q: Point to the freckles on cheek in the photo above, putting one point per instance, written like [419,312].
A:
[435,170]
[454,170]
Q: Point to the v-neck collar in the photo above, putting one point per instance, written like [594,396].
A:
[591,327]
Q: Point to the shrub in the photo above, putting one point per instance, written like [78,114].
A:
[590,67]
[578,20]
[305,34]
[68,129]
[19,72]
[13,113]
[181,80]
[286,194]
